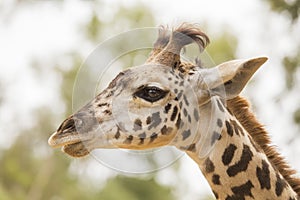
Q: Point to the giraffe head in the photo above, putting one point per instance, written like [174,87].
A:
[161,102]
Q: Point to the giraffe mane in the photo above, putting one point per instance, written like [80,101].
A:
[240,108]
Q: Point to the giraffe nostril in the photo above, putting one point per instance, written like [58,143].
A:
[78,123]
[67,125]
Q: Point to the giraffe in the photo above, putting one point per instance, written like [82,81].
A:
[167,101]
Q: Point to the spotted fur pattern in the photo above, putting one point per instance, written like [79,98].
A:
[230,146]
[241,109]
[238,169]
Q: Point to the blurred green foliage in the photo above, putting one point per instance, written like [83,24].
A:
[291,66]
[292,8]
[135,189]
[223,47]
[291,63]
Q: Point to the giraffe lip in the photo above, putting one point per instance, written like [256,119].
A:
[77,149]
[60,140]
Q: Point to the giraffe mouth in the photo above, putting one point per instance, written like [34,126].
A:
[71,143]
[76,149]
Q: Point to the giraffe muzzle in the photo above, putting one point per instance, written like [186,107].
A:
[73,133]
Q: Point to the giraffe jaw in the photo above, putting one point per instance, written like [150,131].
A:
[76,149]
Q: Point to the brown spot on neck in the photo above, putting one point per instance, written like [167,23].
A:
[240,108]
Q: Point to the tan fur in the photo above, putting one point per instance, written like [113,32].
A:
[240,108]
[166,52]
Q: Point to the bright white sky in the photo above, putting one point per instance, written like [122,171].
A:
[45,31]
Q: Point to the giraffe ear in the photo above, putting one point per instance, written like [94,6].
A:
[232,76]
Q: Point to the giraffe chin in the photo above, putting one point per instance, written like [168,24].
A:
[76,150]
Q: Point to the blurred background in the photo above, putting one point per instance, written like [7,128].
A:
[43,44]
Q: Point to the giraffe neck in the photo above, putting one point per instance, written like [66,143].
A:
[237,168]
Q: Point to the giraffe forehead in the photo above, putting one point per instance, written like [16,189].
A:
[150,74]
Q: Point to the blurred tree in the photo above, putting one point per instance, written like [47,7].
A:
[135,189]
[223,47]
[291,63]
[28,171]
[292,8]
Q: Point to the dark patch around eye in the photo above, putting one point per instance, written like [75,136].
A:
[150,93]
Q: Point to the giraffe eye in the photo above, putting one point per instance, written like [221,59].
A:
[151,93]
